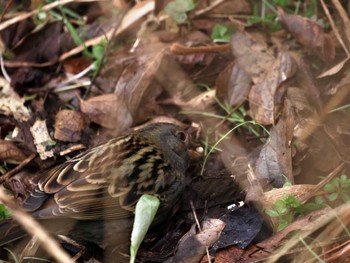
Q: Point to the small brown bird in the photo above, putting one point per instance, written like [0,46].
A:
[105,182]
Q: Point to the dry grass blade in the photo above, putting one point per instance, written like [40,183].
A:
[34,229]
[334,28]
[344,16]
[21,17]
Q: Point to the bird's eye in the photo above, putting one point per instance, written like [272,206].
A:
[181,135]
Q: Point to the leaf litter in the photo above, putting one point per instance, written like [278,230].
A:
[253,105]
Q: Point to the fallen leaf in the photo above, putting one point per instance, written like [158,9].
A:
[11,103]
[107,110]
[265,96]
[274,163]
[233,85]
[253,56]
[10,153]
[192,246]
[69,126]
[309,33]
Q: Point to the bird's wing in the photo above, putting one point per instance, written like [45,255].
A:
[103,182]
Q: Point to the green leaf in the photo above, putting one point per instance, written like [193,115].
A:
[281,207]
[333,196]
[177,10]
[98,51]
[282,225]
[313,206]
[42,15]
[4,213]
[330,187]
[287,184]
[146,209]
[220,34]
[345,197]
[319,200]
[272,212]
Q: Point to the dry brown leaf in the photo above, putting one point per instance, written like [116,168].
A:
[10,153]
[253,56]
[69,126]
[133,87]
[308,33]
[274,163]
[233,85]
[192,246]
[107,110]
[265,96]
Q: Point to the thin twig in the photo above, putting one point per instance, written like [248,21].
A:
[18,168]
[35,229]
[199,227]
[208,8]
[335,30]
[179,49]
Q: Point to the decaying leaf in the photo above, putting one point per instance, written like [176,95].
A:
[192,246]
[233,85]
[308,33]
[107,110]
[242,226]
[11,103]
[69,126]
[266,72]
[10,153]
[253,56]
[275,159]
[265,96]
[133,87]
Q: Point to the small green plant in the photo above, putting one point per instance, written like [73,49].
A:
[178,9]
[338,189]
[285,210]
[4,213]
[266,12]
[221,34]
[66,15]
[288,207]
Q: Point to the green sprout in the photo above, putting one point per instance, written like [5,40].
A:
[221,34]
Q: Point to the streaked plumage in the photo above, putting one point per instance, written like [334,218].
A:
[105,182]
